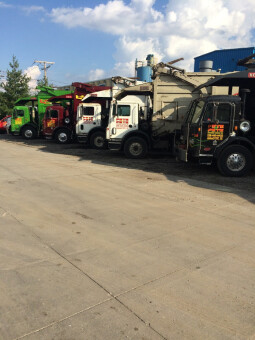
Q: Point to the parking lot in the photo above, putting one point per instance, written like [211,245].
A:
[97,246]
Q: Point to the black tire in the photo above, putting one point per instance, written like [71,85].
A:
[235,161]
[135,147]
[62,136]
[98,140]
[28,132]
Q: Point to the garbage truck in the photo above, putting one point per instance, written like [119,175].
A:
[59,120]
[221,129]
[147,117]
[93,113]
[28,112]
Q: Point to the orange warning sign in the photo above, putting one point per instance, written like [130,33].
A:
[215,132]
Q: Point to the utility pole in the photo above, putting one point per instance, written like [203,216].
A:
[45,67]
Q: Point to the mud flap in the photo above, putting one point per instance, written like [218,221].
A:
[182,155]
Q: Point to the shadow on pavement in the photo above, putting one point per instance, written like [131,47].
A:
[192,173]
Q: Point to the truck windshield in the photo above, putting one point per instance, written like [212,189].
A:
[51,114]
[18,113]
[123,110]
[88,110]
[197,111]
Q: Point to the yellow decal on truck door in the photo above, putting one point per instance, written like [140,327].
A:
[18,121]
[51,123]
[215,132]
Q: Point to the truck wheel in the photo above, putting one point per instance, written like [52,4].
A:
[62,136]
[135,147]
[98,140]
[235,161]
[29,132]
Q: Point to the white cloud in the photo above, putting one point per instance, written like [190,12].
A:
[182,29]
[4,5]
[128,49]
[34,73]
[96,74]
[31,9]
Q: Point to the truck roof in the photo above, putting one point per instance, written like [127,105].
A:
[243,79]
[69,96]
[24,100]
[90,88]
[145,89]
[220,98]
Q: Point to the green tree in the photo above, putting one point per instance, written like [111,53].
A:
[44,82]
[15,87]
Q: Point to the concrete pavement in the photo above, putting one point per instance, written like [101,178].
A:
[91,250]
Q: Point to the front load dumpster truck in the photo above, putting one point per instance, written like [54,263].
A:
[146,117]
[93,113]
[221,129]
[28,112]
[60,118]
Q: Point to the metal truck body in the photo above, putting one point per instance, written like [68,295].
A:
[60,119]
[146,117]
[28,112]
[93,113]
[221,129]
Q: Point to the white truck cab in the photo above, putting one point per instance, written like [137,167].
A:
[93,113]
[90,128]
[128,124]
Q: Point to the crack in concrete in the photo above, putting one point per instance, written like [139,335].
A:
[112,296]
[63,319]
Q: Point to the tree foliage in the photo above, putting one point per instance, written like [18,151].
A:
[15,87]
[44,82]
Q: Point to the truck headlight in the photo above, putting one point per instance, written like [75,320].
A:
[245,126]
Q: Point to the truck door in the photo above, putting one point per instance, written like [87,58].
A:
[215,126]
[191,131]
[91,118]
[18,118]
[50,121]
[124,120]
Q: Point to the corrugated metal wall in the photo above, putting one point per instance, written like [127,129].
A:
[226,60]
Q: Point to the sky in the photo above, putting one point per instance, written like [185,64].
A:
[96,39]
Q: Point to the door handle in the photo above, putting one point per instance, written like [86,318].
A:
[94,123]
[130,126]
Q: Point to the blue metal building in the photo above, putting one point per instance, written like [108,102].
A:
[226,59]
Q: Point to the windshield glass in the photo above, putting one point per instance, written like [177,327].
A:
[197,111]
[53,114]
[123,110]
[18,113]
[190,111]
[88,111]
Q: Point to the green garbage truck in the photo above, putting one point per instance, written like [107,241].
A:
[28,112]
